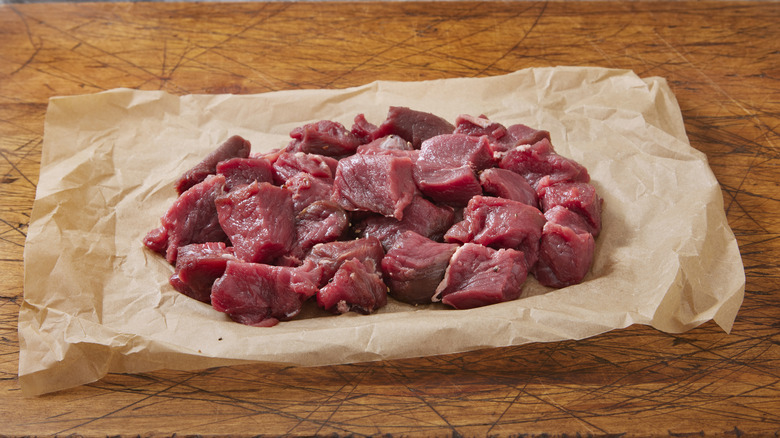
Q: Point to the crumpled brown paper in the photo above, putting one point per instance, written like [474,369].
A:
[96,301]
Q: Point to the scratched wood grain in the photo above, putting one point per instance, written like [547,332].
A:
[721,59]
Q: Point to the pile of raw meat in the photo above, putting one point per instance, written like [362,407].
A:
[415,208]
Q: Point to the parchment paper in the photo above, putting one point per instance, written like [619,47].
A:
[96,301]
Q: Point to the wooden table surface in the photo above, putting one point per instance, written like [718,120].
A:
[721,59]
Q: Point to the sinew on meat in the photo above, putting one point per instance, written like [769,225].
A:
[415,208]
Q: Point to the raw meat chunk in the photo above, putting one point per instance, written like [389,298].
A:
[521,134]
[415,266]
[414,207]
[363,129]
[356,287]
[330,256]
[445,170]
[413,126]
[367,149]
[233,147]
[320,222]
[539,160]
[451,186]
[259,220]
[388,142]
[262,295]
[479,276]
[197,266]
[455,150]
[157,240]
[500,223]
[479,126]
[271,155]
[242,171]
[191,219]
[507,184]
[501,138]
[565,256]
[379,183]
[421,216]
[287,165]
[307,189]
[580,198]
[567,218]
[325,138]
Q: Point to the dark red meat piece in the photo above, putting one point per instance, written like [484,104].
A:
[378,183]
[500,223]
[287,165]
[191,219]
[567,218]
[363,129]
[538,160]
[320,222]
[456,150]
[421,216]
[233,147]
[520,134]
[413,126]
[479,276]
[259,220]
[243,171]
[325,138]
[157,240]
[479,126]
[386,143]
[329,256]
[356,286]
[307,189]
[507,184]
[565,256]
[262,295]
[501,138]
[197,267]
[451,186]
[446,168]
[415,266]
[580,198]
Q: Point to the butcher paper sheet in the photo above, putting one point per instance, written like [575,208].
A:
[97,301]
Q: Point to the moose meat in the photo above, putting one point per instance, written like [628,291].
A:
[243,171]
[421,216]
[479,276]
[262,295]
[378,183]
[356,286]
[233,147]
[320,222]
[414,207]
[259,221]
[413,126]
[307,189]
[415,266]
[565,255]
[330,256]
[197,267]
[500,223]
[504,183]
[446,168]
[501,138]
[538,160]
[191,219]
[580,198]
[288,164]
[325,137]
